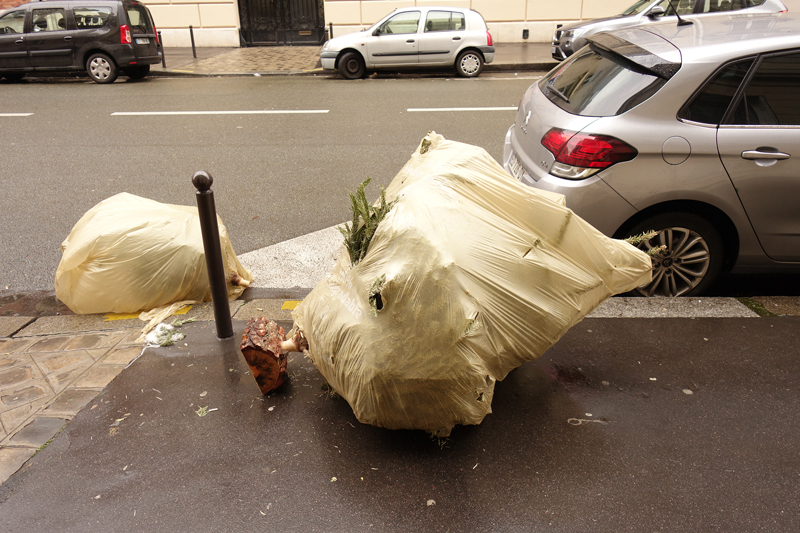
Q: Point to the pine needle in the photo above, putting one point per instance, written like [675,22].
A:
[366,217]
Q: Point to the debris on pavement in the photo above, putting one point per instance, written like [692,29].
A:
[469,274]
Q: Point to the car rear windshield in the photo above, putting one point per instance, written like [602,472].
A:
[140,21]
[598,83]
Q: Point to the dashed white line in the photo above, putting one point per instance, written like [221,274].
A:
[254,112]
[15,114]
[435,109]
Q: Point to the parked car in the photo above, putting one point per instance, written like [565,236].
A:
[414,37]
[101,37]
[692,131]
[572,37]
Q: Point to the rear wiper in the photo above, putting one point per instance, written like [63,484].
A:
[558,93]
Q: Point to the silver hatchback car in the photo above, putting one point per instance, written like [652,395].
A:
[414,37]
[572,37]
[691,130]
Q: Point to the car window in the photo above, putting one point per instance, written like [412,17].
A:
[91,17]
[710,104]
[599,84]
[636,8]
[770,97]
[13,22]
[444,21]
[406,22]
[715,6]
[140,22]
[52,19]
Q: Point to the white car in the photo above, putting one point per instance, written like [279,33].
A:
[414,37]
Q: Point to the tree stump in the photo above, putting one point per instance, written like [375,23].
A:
[261,347]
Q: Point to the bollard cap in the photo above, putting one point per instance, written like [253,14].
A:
[202,180]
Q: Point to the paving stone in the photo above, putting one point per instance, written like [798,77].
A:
[61,370]
[16,376]
[38,431]
[14,418]
[205,312]
[69,402]
[95,341]
[15,345]
[11,459]
[11,324]
[13,359]
[27,393]
[99,376]
[49,344]
[264,308]
[123,356]
[75,324]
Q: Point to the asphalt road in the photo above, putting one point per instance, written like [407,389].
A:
[284,152]
[277,175]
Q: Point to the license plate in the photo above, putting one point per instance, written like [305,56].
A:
[516,168]
[142,41]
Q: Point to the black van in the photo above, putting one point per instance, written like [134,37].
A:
[101,37]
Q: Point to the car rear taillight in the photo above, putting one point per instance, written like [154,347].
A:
[579,155]
[155,30]
[489,41]
[125,34]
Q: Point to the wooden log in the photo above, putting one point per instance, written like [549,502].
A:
[261,347]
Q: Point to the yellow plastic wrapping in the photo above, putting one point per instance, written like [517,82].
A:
[130,254]
[482,274]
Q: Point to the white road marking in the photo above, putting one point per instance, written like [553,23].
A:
[256,112]
[15,114]
[436,109]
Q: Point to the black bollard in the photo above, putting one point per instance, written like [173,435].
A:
[330,25]
[216,271]
[191,34]
[163,55]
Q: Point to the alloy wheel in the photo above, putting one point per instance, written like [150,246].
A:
[681,266]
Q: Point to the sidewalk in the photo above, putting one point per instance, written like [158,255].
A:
[54,363]
[626,424]
[296,60]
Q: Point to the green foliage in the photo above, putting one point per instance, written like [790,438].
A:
[366,218]
[637,240]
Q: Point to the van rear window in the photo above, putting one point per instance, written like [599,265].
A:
[91,17]
[140,21]
[597,83]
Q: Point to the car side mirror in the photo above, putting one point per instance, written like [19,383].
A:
[376,32]
[657,11]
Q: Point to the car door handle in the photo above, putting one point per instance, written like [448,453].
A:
[456,38]
[758,154]
[410,41]
[19,41]
[68,38]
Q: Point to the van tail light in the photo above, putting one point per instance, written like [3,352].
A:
[580,155]
[155,30]
[125,34]
[489,41]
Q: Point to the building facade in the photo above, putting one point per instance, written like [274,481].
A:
[220,22]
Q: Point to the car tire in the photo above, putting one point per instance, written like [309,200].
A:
[692,259]
[351,66]
[469,64]
[101,68]
[138,72]
[14,77]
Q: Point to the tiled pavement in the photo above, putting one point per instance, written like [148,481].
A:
[291,59]
[51,367]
